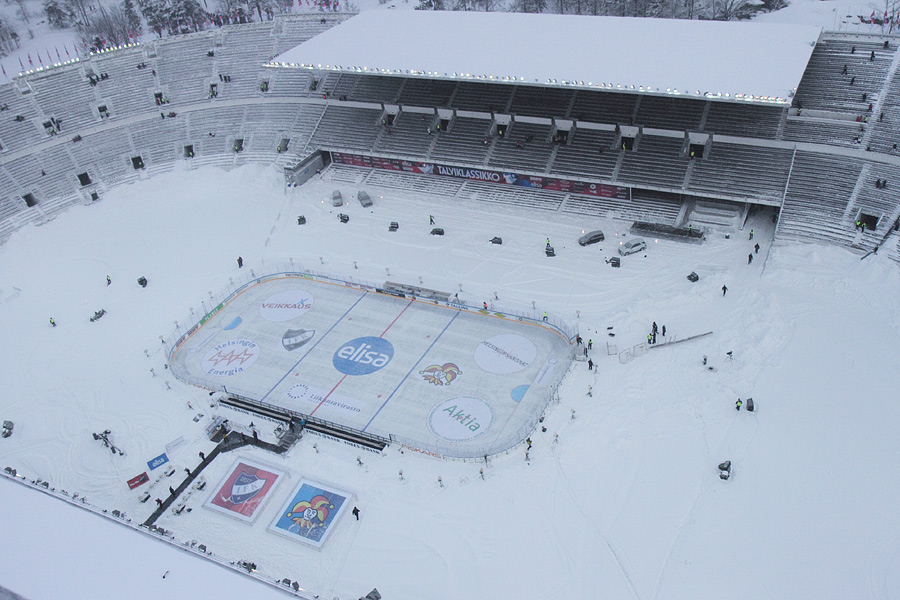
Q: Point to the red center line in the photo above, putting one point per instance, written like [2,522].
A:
[345,376]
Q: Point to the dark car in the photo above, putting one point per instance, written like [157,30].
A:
[591,237]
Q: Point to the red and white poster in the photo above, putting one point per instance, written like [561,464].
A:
[243,491]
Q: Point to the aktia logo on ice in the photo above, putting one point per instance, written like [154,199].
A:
[363,356]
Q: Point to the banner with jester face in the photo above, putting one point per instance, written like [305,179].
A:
[310,513]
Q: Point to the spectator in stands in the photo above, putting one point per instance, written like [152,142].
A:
[865,96]
[853,50]
[872,56]
[885,44]
[844,70]
[852,79]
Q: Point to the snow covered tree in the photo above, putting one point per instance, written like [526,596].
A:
[58,16]
[135,27]
[431,5]
[156,14]
[108,28]
[78,8]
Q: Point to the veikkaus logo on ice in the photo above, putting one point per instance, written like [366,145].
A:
[363,356]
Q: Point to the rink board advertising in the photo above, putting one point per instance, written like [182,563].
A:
[552,184]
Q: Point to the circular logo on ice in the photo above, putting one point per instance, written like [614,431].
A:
[460,418]
[231,358]
[363,356]
[285,305]
[505,354]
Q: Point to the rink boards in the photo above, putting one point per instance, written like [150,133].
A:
[434,375]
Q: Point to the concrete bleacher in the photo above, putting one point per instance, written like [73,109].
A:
[442,186]
[426,92]
[347,128]
[375,88]
[752,172]
[483,97]
[463,142]
[670,113]
[540,102]
[408,137]
[825,87]
[239,54]
[588,153]
[183,69]
[128,88]
[512,152]
[66,95]
[291,30]
[658,161]
[652,207]
[15,135]
[886,130]
[822,131]
[727,118]
[603,107]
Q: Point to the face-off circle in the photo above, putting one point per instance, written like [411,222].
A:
[230,358]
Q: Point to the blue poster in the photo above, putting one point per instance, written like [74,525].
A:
[158,461]
[310,513]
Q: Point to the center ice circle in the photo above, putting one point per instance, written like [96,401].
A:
[285,305]
[505,354]
[363,356]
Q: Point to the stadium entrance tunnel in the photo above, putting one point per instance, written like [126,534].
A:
[870,221]
[137,162]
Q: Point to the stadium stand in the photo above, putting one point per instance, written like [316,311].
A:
[809,159]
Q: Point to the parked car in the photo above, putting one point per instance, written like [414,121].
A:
[364,199]
[591,237]
[336,198]
[632,246]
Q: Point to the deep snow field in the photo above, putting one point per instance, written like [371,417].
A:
[627,503]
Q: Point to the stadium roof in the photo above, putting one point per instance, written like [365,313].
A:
[720,60]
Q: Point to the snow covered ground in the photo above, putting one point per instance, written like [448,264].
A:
[627,503]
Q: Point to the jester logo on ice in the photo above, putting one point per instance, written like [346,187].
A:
[363,356]
[245,487]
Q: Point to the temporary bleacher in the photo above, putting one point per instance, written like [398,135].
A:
[513,152]
[588,153]
[512,195]
[816,198]
[658,161]
[463,143]
[739,171]
[670,113]
[425,184]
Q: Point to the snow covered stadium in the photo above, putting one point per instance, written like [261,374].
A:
[675,130]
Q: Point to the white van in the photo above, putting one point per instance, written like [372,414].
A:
[364,199]
[336,198]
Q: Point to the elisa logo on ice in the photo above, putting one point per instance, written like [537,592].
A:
[363,356]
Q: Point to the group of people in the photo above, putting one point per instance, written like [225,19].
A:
[651,337]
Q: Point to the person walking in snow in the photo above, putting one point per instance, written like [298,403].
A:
[649,338]
[108,280]
[240,262]
[724,289]
[590,365]
[751,234]
[749,258]
[737,405]
[430,220]
[590,343]
[356,513]
[664,331]
[52,322]
[756,248]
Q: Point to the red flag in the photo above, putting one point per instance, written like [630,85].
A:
[30,62]
[40,60]
[57,52]
[49,58]
[66,47]
[4,70]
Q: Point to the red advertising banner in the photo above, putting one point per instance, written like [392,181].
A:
[501,177]
[138,481]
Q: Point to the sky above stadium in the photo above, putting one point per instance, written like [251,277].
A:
[731,60]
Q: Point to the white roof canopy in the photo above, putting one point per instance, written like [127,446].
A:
[760,62]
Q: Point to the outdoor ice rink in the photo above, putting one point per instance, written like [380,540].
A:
[433,375]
